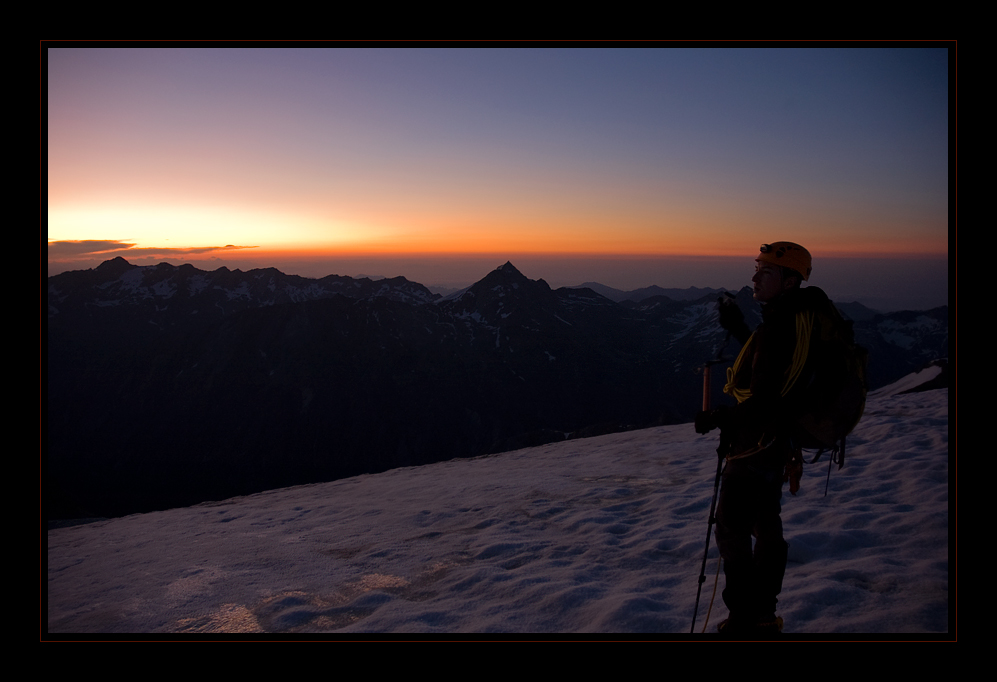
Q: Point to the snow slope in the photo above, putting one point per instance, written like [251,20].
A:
[602,535]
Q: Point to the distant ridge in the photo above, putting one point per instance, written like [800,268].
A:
[638,295]
[165,292]
[856,311]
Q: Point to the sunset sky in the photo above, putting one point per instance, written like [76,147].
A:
[630,167]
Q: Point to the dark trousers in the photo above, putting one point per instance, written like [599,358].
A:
[749,506]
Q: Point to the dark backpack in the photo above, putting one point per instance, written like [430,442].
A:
[832,391]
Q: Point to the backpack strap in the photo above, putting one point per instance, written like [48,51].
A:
[837,455]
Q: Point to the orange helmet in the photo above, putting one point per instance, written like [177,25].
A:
[787,255]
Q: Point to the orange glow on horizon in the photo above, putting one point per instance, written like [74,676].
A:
[560,253]
[232,233]
[480,249]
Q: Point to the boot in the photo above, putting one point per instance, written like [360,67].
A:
[764,628]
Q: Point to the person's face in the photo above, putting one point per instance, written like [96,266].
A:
[768,282]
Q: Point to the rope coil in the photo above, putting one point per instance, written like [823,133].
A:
[804,329]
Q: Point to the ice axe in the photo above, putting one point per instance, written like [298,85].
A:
[705,369]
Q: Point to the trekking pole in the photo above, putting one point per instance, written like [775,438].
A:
[706,387]
[721,451]
[709,530]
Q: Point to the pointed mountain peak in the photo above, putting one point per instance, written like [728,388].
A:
[509,268]
[503,276]
[504,281]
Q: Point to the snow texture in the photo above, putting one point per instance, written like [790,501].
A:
[590,537]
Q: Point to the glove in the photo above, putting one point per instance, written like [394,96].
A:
[708,420]
[730,315]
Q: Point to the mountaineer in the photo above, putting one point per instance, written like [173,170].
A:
[777,377]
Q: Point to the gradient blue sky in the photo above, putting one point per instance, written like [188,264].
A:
[627,166]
